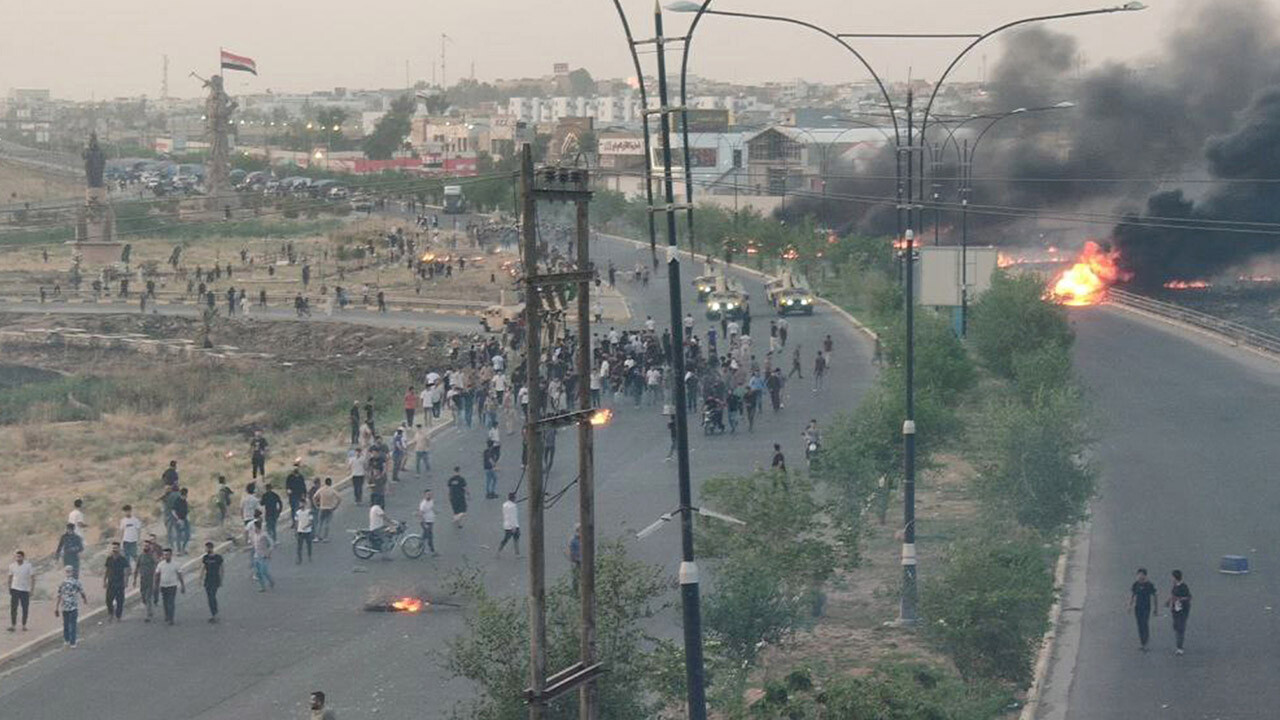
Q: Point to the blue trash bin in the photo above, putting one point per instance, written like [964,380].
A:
[1234,565]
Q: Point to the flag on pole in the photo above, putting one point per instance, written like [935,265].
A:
[231,61]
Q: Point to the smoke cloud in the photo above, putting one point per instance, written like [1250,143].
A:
[1206,106]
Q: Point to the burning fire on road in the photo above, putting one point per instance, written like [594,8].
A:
[1086,281]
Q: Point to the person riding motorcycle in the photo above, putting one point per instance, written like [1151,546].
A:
[713,413]
[381,527]
[812,439]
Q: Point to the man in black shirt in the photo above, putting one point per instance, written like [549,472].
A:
[258,454]
[457,496]
[779,462]
[181,523]
[211,575]
[114,581]
[295,485]
[1179,604]
[271,508]
[1142,601]
[170,474]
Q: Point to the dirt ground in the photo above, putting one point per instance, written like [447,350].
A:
[118,457]
[855,632]
[19,184]
[24,269]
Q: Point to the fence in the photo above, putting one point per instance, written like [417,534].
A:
[1234,331]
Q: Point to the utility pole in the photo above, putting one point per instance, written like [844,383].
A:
[907,607]
[688,575]
[587,697]
[164,78]
[570,185]
[533,437]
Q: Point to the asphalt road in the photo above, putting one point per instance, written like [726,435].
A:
[1186,444]
[310,633]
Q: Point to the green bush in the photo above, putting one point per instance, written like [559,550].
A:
[894,691]
[1040,370]
[1012,317]
[988,607]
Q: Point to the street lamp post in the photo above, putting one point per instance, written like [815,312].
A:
[908,602]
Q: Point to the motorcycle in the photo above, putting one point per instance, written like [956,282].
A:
[713,420]
[811,448]
[368,543]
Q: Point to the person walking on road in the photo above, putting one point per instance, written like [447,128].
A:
[211,578]
[144,576]
[795,364]
[510,525]
[356,463]
[21,582]
[1179,604]
[169,579]
[490,461]
[249,504]
[272,507]
[458,496]
[302,530]
[318,709]
[130,532]
[427,519]
[328,500]
[1142,601]
[410,406]
[779,462]
[115,579]
[261,543]
[67,605]
[355,422]
[819,371]
[295,488]
[70,545]
[421,450]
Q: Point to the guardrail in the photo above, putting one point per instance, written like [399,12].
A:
[1231,330]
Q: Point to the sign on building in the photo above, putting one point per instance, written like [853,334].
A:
[940,274]
[621,146]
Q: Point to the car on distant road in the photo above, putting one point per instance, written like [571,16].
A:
[729,303]
[795,300]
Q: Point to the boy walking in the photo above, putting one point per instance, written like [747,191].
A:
[510,524]
[1179,604]
[1142,601]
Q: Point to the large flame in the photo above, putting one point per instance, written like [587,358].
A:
[407,604]
[1087,280]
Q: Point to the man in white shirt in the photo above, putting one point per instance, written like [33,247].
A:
[76,517]
[302,531]
[649,324]
[356,464]
[169,579]
[510,524]
[130,533]
[427,519]
[21,582]
[499,363]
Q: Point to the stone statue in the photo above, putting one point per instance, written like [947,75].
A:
[95,162]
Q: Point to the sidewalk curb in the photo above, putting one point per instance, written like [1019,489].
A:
[23,654]
[1048,642]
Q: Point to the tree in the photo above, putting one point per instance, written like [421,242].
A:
[492,652]
[1033,465]
[581,84]
[391,130]
[1012,316]
[988,607]
[330,120]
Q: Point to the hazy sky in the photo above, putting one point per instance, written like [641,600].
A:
[80,50]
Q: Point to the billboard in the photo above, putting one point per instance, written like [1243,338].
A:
[621,146]
[940,274]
